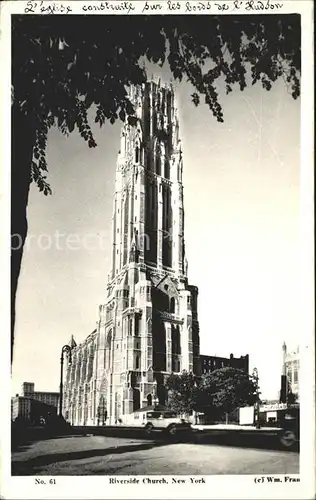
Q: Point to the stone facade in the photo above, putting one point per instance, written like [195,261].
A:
[291,368]
[148,325]
[78,401]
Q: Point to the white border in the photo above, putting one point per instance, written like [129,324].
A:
[236,486]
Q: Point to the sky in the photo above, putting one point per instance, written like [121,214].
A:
[241,199]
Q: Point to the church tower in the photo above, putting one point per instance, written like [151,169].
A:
[148,325]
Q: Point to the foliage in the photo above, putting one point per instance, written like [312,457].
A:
[291,398]
[226,389]
[182,392]
[62,65]
[217,393]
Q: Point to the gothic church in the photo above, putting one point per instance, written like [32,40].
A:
[148,324]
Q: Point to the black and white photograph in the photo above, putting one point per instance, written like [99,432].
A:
[157,330]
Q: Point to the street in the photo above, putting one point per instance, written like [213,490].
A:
[103,455]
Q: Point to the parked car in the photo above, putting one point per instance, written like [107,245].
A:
[166,421]
[285,419]
[289,420]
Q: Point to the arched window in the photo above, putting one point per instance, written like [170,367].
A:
[149,400]
[158,160]
[172,305]
[149,325]
[130,326]
[109,338]
[167,169]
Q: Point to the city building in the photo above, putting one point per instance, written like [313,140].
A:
[211,363]
[30,410]
[49,398]
[148,324]
[20,408]
[290,373]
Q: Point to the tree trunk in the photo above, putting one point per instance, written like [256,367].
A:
[226,418]
[22,141]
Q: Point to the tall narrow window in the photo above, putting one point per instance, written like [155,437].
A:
[136,326]
[136,399]
[172,305]
[158,160]
[175,338]
[163,102]
[137,154]
[126,221]
[130,326]
[167,228]
[146,116]
[137,363]
[167,169]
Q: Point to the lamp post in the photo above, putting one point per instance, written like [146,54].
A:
[257,402]
[65,349]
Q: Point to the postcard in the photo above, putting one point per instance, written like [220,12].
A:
[157,220]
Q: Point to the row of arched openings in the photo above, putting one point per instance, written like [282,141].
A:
[154,164]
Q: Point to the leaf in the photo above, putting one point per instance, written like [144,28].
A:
[122,115]
[195,99]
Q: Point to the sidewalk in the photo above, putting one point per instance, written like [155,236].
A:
[233,427]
